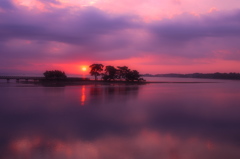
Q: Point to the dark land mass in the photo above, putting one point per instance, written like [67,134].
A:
[60,83]
[71,81]
[230,76]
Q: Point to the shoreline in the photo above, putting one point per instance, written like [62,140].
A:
[75,81]
[92,82]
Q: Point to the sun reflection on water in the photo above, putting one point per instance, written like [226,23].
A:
[83,95]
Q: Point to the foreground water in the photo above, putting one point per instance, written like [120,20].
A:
[162,120]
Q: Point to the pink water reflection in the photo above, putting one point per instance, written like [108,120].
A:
[145,144]
[172,121]
[83,95]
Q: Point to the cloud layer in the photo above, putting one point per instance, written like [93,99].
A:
[55,34]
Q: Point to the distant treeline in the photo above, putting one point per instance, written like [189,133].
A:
[217,75]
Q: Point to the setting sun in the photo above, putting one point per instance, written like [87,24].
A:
[84,68]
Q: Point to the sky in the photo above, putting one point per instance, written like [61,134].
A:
[151,36]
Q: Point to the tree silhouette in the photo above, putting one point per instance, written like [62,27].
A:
[110,73]
[132,75]
[55,74]
[122,72]
[96,70]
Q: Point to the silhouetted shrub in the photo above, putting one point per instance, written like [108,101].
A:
[55,74]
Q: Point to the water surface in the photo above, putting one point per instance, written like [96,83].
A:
[161,120]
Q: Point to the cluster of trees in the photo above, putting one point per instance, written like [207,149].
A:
[107,74]
[54,74]
[112,73]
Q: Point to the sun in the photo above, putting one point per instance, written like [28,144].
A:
[84,68]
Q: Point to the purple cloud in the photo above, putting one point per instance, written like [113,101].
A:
[69,35]
[90,30]
[50,1]
[6,4]
[61,26]
[187,27]
[200,36]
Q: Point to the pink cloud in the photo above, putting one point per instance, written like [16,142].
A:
[63,34]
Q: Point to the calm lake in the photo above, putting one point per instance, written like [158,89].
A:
[117,121]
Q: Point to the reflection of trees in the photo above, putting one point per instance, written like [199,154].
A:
[122,90]
[114,90]
[109,93]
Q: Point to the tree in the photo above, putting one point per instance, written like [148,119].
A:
[110,73]
[122,72]
[96,70]
[55,74]
[132,75]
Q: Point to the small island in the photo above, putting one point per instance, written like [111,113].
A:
[108,74]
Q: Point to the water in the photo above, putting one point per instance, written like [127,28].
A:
[160,120]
